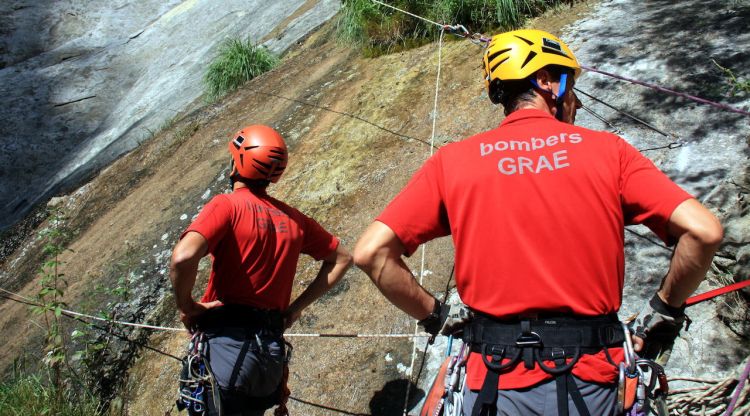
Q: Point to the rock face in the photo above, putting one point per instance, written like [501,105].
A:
[85,81]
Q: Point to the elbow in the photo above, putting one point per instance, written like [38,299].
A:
[709,233]
[364,257]
[179,259]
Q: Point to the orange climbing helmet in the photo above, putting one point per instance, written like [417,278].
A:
[258,152]
[518,54]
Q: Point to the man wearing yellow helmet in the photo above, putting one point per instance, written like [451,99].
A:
[536,209]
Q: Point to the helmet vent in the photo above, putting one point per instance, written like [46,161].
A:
[554,51]
[525,40]
[549,43]
[265,165]
[498,64]
[529,57]
[496,54]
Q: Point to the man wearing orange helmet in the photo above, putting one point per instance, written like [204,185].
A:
[255,241]
[536,209]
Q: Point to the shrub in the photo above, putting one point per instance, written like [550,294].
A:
[238,62]
[379,29]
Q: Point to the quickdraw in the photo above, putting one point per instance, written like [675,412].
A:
[637,389]
[196,380]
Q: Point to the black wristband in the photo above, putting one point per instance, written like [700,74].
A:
[665,309]
[431,323]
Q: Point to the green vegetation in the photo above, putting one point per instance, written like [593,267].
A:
[238,62]
[70,380]
[736,85]
[379,29]
[37,395]
[51,297]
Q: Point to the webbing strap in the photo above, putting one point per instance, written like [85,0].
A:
[561,383]
[575,394]
[238,364]
[487,397]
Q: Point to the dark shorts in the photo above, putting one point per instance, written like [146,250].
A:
[248,366]
[541,400]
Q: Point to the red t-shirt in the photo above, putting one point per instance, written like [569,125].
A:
[255,242]
[537,210]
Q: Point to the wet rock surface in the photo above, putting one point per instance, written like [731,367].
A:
[84,81]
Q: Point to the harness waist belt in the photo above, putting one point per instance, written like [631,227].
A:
[242,316]
[553,332]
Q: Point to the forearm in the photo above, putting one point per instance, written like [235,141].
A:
[690,262]
[326,279]
[396,282]
[378,254]
[183,280]
[331,272]
[698,234]
[183,268]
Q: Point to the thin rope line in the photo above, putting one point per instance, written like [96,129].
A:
[624,113]
[424,250]
[96,318]
[323,335]
[668,91]
[33,302]
[405,12]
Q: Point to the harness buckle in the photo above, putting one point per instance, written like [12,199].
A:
[528,339]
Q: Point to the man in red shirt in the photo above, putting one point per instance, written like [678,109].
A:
[536,209]
[255,241]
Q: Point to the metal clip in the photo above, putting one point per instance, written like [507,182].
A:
[627,345]
[528,339]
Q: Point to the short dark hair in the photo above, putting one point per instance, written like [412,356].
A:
[511,94]
[250,183]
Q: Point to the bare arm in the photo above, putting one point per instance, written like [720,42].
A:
[699,234]
[378,253]
[183,269]
[331,271]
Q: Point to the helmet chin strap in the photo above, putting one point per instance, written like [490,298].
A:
[558,99]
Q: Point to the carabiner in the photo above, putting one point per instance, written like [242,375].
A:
[627,345]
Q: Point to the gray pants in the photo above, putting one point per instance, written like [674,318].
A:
[248,366]
[541,400]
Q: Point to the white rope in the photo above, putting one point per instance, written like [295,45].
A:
[405,12]
[164,328]
[432,147]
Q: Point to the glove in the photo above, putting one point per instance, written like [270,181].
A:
[445,319]
[454,317]
[658,325]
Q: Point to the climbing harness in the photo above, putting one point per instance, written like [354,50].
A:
[561,339]
[197,383]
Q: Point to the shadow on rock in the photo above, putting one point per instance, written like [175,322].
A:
[389,401]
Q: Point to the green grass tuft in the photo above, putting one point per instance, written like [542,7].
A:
[377,29]
[30,395]
[238,62]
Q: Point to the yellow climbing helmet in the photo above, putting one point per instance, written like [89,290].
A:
[520,53]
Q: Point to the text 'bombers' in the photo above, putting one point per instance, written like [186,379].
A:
[520,165]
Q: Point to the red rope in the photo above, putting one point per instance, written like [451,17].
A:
[716,292]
